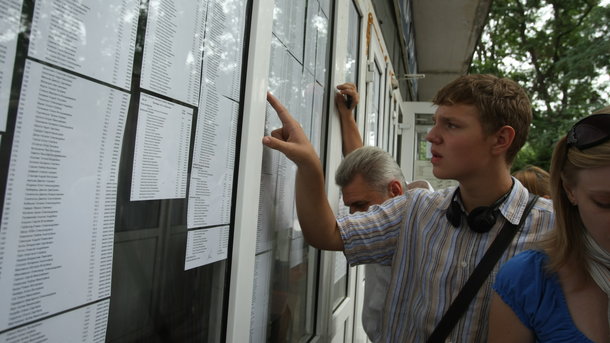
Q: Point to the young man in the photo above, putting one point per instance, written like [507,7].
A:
[433,240]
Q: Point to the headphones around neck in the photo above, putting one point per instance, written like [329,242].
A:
[479,220]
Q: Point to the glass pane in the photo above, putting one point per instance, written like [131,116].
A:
[386,113]
[340,271]
[399,138]
[353,45]
[373,117]
[286,267]
[119,156]
[392,127]
[339,291]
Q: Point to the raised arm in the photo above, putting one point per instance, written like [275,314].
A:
[315,215]
[346,100]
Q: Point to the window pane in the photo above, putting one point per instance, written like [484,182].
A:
[340,272]
[114,110]
[286,267]
[353,45]
[373,117]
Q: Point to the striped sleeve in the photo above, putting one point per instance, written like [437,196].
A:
[370,237]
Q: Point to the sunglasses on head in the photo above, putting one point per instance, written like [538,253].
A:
[590,131]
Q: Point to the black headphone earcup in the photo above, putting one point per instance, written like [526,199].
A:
[454,214]
[481,219]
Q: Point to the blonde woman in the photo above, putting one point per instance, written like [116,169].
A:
[560,293]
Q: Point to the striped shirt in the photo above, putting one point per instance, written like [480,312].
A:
[431,260]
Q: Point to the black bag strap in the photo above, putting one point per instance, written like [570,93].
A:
[478,276]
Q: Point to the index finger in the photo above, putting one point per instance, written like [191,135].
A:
[346,85]
[282,112]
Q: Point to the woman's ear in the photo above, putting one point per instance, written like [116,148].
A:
[569,191]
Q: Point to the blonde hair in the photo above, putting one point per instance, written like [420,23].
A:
[566,240]
[535,179]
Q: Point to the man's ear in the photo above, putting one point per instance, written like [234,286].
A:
[504,139]
[395,188]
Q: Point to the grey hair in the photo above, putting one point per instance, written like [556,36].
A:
[376,166]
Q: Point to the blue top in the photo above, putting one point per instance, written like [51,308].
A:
[536,297]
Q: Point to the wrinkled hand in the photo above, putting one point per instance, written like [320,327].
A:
[346,91]
[350,135]
[290,139]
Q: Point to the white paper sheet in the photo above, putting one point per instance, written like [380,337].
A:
[279,83]
[205,246]
[161,152]
[223,47]
[294,91]
[94,38]
[322,52]
[171,65]
[289,25]
[211,185]
[317,114]
[284,196]
[266,208]
[353,49]
[86,324]
[287,82]
[264,227]
[61,195]
[325,7]
[281,20]
[311,36]
[10,13]
[308,85]
[260,297]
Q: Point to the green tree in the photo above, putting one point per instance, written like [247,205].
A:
[559,51]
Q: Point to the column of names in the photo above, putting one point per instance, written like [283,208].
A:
[60,195]
[162,149]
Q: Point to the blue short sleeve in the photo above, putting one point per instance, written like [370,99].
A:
[520,283]
[536,297]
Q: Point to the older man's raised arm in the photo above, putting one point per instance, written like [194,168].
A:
[315,215]
[346,100]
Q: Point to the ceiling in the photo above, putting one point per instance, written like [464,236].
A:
[446,33]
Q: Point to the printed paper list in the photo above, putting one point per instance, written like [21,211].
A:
[162,150]
[61,195]
[94,38]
